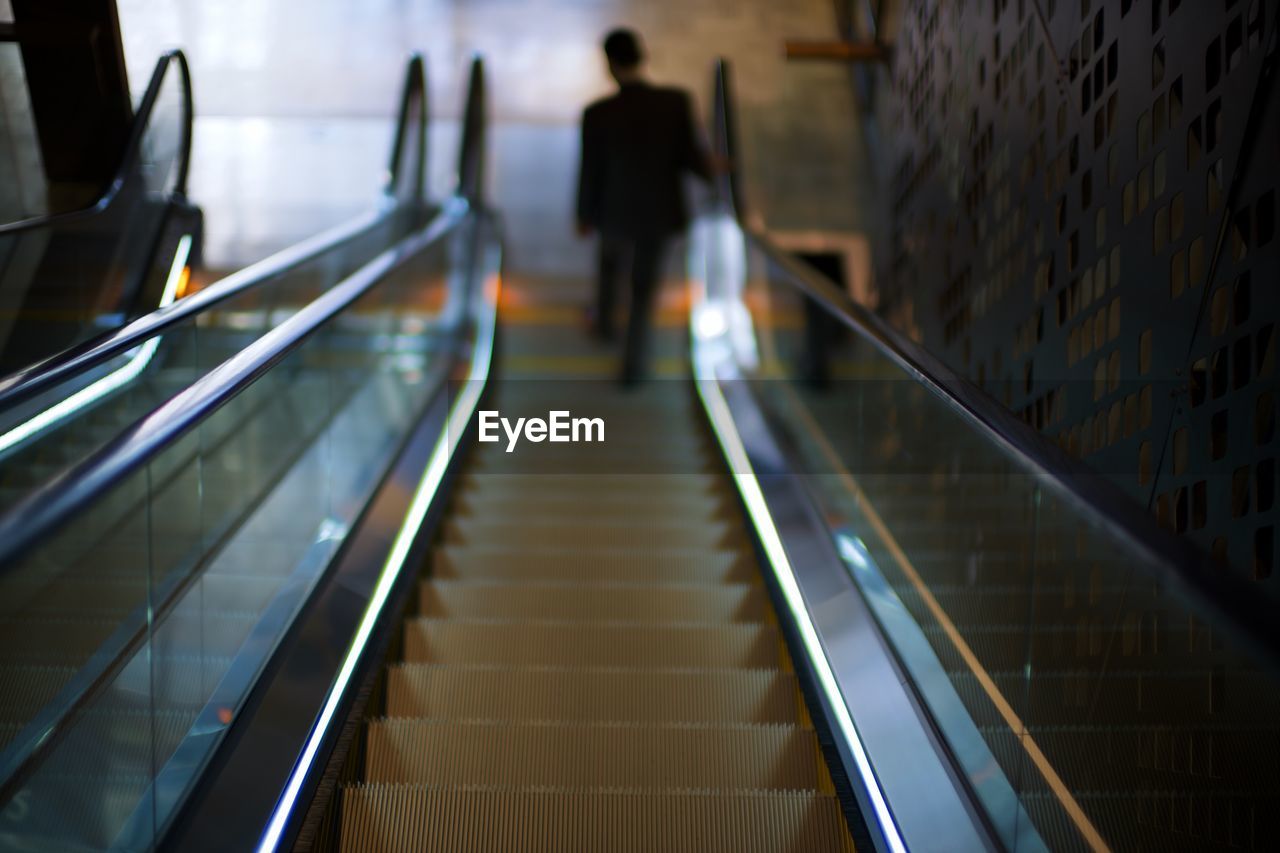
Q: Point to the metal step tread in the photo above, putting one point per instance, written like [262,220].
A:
[590,643]
[593,755]
[502,562]
[592,601]
[599,694]
[418,817]
[527,484]
[640,532]
[516,503]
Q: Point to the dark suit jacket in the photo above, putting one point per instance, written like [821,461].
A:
[636,146]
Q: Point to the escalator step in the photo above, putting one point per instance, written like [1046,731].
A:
[584,456]
[416,817]
[600,504]
[600,398]
[505,754]
[636,533]
[592,602]
[640,438]
[490,562]
[590,644]
[588,486]
[593,664]
[603,466]
[592,694]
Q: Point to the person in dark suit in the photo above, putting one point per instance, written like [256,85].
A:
[636,147]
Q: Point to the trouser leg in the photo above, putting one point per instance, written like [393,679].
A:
[646,274]
[612,260]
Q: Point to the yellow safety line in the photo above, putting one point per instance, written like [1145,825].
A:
[1059,788]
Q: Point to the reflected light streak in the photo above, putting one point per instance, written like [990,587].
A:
[463,408]
[852,550]
[718,412]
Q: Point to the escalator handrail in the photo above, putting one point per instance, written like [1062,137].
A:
[414,91]
[472,156]
[74,489]
[41,514]
[1171,558]
[26,383]
[133,149]
[469,194]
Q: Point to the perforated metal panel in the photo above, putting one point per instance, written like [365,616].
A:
[1084,222]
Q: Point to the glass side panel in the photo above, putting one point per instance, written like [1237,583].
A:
[24,194]
[226,533]
[41,436]
[75,603]
[66,281]
[1085,703]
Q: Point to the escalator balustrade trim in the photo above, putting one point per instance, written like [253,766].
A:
[1059,789]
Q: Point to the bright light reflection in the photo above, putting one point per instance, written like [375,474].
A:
[852,550]
[709,321]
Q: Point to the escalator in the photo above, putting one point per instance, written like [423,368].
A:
[71,276]
[61,402]
[592,661]
[1091,682]
[759,613]
[81,610]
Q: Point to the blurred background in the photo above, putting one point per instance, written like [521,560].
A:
[289,91]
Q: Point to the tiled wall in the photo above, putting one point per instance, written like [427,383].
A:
[1083,209]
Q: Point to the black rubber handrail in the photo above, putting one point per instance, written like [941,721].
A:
[26,383]
[133,149]
[471,175]
[414,92]
[1170,558]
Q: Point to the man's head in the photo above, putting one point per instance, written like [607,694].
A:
[625,53]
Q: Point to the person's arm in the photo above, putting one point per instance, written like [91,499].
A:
[589,177]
